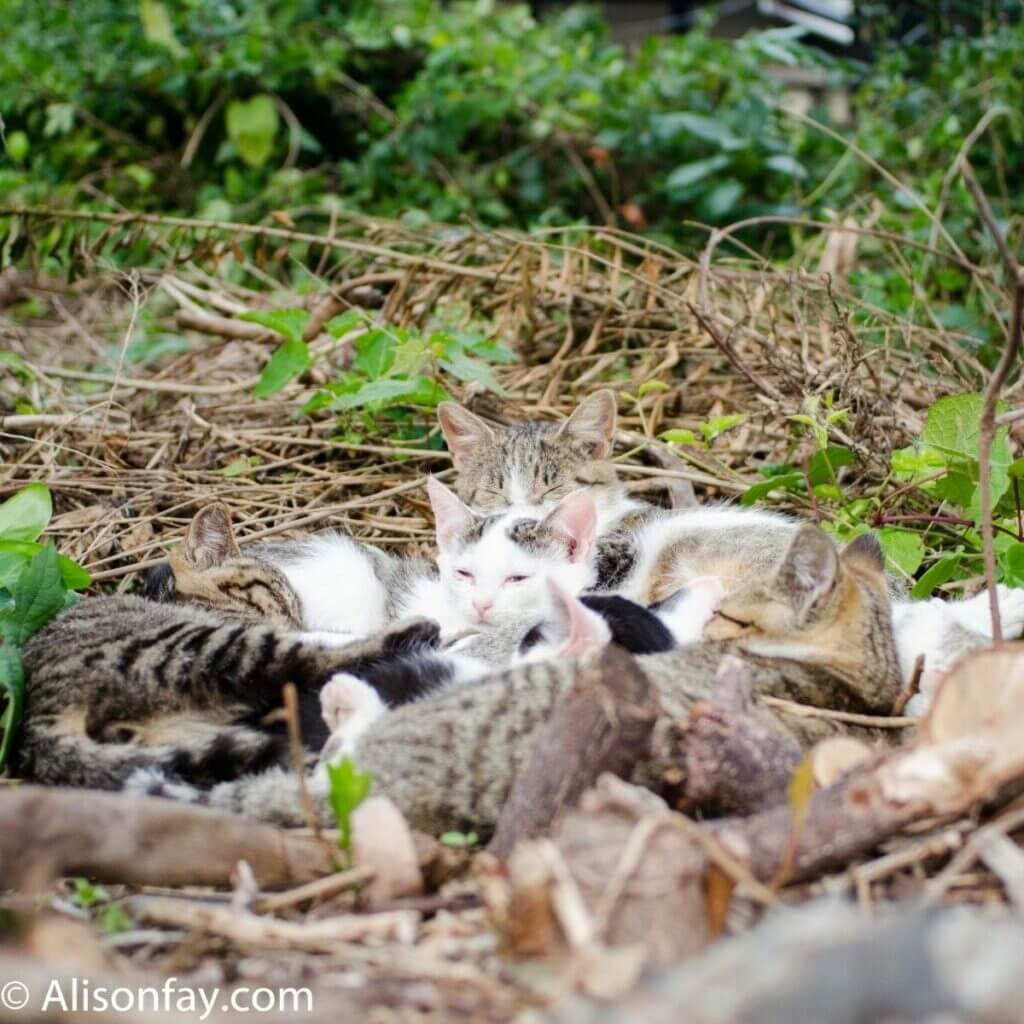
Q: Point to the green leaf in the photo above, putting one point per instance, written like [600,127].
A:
[157,26]
[252,125]
[339,326]
[349,787]
[679,436]
[787,481]
[825,462]
[290,359]
[26,514]
[669,126]
[458,840]
[375,354]
[904,551]
[289,323]
[940,572]
[651,385]
[38,596]
[464,367]
[785,164]
[12,680]
[689,174]
[375,391]
[73,575]
[1011,562]
[493,352]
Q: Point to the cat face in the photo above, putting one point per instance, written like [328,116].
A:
[208,568]
[820,605]
[534,464]
[494,568]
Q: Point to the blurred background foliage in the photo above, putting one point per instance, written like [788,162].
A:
[479,111]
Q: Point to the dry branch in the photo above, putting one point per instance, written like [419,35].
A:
[987,428]
[603,724]
[139,840]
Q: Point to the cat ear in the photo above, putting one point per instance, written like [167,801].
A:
[575,519]
[809,570]
[209,541]
[451,517]
[593,423]
[586,631]
[464,432]
[865,550]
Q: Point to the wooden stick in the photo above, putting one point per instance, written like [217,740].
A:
[603,724]
[987,428]
[120,837]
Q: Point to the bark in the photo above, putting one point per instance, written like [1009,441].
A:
[117,837]
[725,760]
[603,724]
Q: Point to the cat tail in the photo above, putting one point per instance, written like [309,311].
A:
[273,796]
[207,757]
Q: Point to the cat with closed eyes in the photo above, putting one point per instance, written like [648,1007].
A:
[647,556]
[816,628]
[123,690]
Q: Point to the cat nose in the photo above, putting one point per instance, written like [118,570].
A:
[481,607]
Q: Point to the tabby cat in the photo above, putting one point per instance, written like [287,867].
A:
[817,629]
[120,683]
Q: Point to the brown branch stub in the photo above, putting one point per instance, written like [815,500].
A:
[729,760]
[1000,375]
[603,724]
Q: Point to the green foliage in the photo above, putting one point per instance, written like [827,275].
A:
[938,540]
[459,840]
[708,431]
[35,584]
[349,787]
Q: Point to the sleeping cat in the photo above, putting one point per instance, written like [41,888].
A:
[119,683]
[816,629]
[577,629]
[491,568]
[648,556]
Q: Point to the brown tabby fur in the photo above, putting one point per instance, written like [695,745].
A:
[450,762]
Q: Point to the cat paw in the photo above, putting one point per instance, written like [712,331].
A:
[349,707]
[690,609]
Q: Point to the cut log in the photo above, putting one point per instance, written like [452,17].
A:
[603,724]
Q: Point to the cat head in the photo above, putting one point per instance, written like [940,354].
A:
[820,605]
[208,568]
[532,463]
[494,567]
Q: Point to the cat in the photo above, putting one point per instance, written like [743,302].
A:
[578,629]
[490,568]
[816,629]
[120,683]
[646,553]
[536,464]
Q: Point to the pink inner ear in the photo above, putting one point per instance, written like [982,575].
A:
[576,518]
[588,632]
[451,516]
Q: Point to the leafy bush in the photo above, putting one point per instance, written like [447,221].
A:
[927,513]
[35,584]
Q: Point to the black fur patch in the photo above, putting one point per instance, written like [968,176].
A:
[227,758]
[407,677]
[616,557]
[633,627]
[158,583]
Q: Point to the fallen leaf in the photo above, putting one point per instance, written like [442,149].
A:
[835,756]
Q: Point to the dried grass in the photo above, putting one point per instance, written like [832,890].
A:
[131,451]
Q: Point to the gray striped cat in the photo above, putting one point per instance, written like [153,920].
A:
[120,683]
[802,630]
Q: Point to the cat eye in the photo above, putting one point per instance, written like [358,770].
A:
[464,574]
[516,579]
[736,622]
